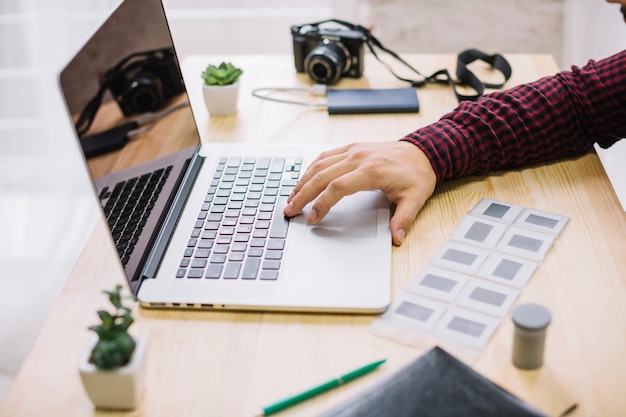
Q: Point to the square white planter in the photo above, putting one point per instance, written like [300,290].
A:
[221,100]
[116,389]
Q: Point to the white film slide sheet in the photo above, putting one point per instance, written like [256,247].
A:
[542,221]
[488,297]
[438,283]
[479,231]
[414,312]
[507,269]
[466,327]
[526,243]
[473,280]
[459,257]
[497,210]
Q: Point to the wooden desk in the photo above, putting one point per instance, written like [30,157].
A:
[231,363]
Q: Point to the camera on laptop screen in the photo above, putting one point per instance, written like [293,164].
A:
[145,81]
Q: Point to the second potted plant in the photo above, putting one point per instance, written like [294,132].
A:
[113,366]
[221,88]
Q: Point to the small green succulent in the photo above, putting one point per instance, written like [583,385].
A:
[115,346]
[225,74]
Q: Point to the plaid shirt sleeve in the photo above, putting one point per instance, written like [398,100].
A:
[556,117]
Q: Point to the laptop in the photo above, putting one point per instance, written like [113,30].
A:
[612,160]
[201,225]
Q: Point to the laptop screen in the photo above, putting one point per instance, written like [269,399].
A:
[125,94]
[126,70]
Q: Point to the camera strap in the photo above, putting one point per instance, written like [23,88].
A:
[464,76]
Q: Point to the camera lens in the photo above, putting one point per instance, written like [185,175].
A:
[144,93]
[327,62]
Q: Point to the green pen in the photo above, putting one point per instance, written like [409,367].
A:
[298,398]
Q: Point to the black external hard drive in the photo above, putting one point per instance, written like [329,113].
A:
[355,101]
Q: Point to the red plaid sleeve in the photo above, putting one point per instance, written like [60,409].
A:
[556,117]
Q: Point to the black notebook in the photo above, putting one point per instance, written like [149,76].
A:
[435,385]
[394,100]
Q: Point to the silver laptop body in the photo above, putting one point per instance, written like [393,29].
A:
[200,225]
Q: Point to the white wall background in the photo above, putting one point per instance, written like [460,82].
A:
[573,31]
[46,209]
[593,29]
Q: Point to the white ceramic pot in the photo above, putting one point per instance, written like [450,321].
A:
[221,100]
[116,389]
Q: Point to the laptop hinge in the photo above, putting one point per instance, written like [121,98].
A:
[163,238]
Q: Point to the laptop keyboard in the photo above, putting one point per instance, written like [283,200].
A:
[128,206]
[240,230]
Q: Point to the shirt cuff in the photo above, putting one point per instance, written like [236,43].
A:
[445,147]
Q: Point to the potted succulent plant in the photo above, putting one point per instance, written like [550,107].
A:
[113,366]
[221,88]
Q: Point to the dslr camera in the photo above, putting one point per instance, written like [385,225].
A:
[145,81]
[327,54]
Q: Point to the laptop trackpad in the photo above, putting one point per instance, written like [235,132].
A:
[353,216]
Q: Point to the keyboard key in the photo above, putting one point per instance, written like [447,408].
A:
[285,191]
[214,271]
[230,221]
[273,254]
[280,224]
[209,234]
[255,252]
[205,244]
[265,216]
[237,256]
[259,233]
[263,163]
[221,248]
[257,243]
[242,237]
[276,244]
[275,265]
[215,217]
[227,230]
[202,253]
[195,273]
[224,239]
[244,228]
[239,247]
[199,263]
[262,224]
[268,275]
[232,270]
[278,165]
[218,258]
[251,268]
[233,162]
[269,200]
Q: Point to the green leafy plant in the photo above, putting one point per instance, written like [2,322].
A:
[225,74]
[115,346]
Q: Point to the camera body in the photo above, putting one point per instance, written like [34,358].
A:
[327,54]
[146,81]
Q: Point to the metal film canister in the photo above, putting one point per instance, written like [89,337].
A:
[529,338]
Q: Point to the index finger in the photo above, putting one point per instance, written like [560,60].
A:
[323,161]
[318,178]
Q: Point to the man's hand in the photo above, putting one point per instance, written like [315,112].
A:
[399,169]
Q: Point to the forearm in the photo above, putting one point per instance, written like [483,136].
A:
[556,117]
